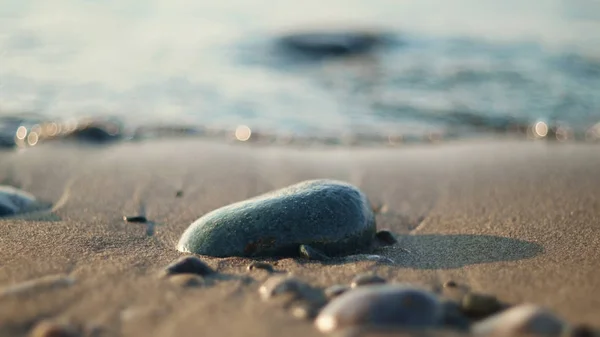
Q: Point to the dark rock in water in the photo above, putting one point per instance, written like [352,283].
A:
[522,320]
[330,44]
[14,201]
[335,290]
[310,253]
[480,305]
[188,265]
[366,279]
[261,265]
[331,216]
[386,305]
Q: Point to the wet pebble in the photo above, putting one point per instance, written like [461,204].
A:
[187,280]
[261,265]
[188,265]
[526,319]
[335,290]
[390,305]
[53,329]
[14,201]
[366,279]
[479,305]
[331,216]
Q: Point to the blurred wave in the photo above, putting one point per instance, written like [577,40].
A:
[377,71]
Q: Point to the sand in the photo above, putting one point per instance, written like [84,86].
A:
[520,220]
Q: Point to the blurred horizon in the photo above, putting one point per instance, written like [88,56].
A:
[454,66]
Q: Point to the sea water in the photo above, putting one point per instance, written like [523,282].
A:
[455,67]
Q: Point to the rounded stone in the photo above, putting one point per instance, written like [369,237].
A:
[261,265]
[295,288]
[53,329]
[335,290]
[14,201]
[188,265]
[187,280]
[331,216]
[382,305]
[366,279]
[525,319]
[479,305]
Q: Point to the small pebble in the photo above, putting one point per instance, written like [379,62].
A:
[14,201]
[135,219]
[305,311]
[310,253]
[453,317]
[386,237]
[479,305]
[526,319]
[335,290]
[450,284]
[293,287]
[261,265]
[188,265]
[179,194]
[393,305]
[187,280]
[53,329]
[582,331]
[366,279]
[45,283]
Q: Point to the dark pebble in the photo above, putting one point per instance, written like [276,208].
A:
[188,265]
[366,279]
[522,320]
[187,280]
[14,201]
[392,305]
[479,305]
[309,253]
[450,284]
[179,194]
[261,265]
[135,219]
[305,310]
[53,329]
[386,237]
[583,331]
[335,290]
[454,318]
[331,216]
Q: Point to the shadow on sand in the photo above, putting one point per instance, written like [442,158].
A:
[436,251]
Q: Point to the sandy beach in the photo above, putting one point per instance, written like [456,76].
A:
[520,220]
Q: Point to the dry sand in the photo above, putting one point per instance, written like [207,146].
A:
[519,220]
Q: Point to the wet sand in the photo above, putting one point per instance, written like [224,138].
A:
[519,220]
